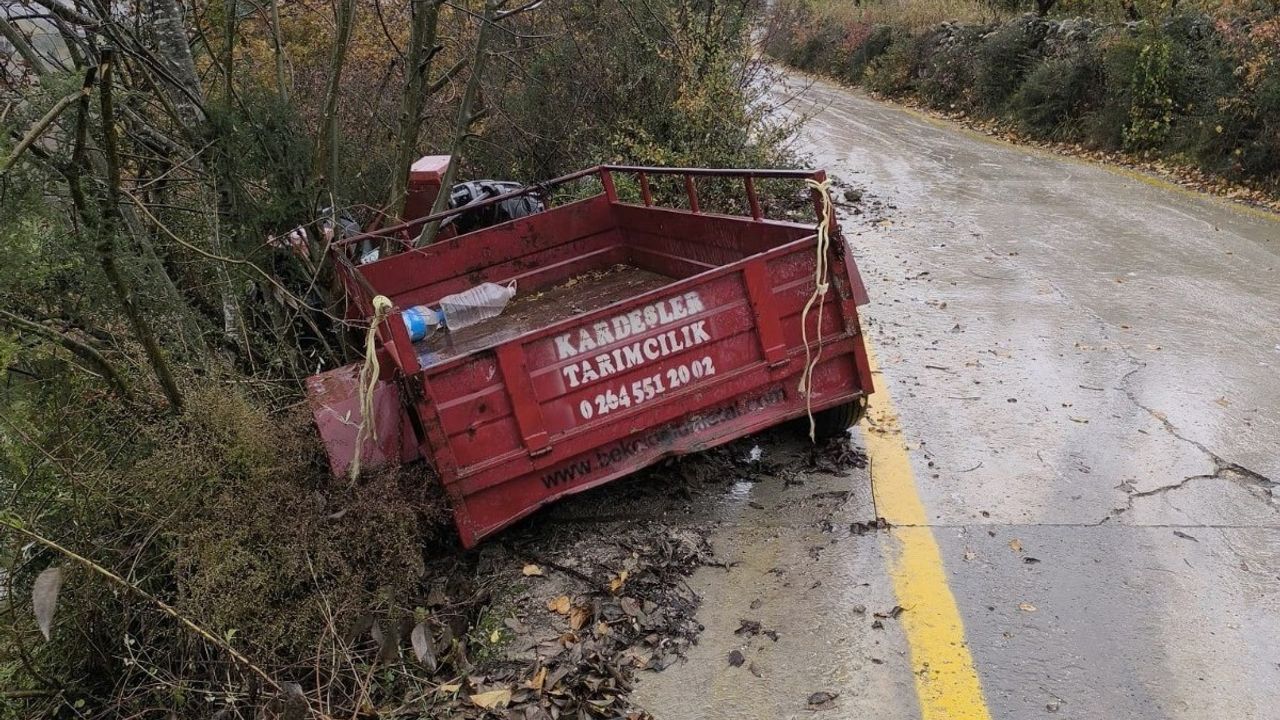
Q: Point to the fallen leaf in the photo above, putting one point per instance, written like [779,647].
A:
[617,582]
[578,617]
[492,700]
[1185,536]
[1015,545]
[532,571]
[892,613]
[449,688]
[736,659]
[822,698]
[1026,607]
[536,682]
[44,598]
[630,606]
[560,605]
[423,646]
[495,636]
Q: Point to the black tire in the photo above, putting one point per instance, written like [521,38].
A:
[836,421]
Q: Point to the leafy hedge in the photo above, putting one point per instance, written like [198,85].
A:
[1192,87]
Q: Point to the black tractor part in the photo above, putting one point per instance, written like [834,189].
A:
[477,191]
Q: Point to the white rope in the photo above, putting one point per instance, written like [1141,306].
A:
[819,296]
[369,372]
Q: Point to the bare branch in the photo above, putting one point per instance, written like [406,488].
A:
[43,123]
[446,76]
[84,351]
[28,53]
[508,13]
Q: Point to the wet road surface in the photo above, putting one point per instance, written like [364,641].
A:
[1083,367]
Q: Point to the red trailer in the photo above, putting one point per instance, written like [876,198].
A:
[637,332]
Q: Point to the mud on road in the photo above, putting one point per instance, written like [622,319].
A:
[560,614]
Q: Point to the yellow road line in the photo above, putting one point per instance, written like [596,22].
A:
[947,683]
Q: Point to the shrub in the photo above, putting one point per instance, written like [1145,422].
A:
[877,42]
[947,77]
[1004,60]
[896,71]
[1059,95]
[228,513]
[1151,97]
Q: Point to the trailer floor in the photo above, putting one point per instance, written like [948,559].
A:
[529,311]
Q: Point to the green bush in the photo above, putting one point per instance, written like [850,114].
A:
[1194,85]
[1059,96]
[1004,59]
[1151,96]
[877,43]
[948,73]
[819,50]
[896,71]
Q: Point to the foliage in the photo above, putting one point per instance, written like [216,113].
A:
[1151,99]
[221,506]
[951,73]
[664,90]
[1004,58]
[878,40]
[1058,95]
[1195,83]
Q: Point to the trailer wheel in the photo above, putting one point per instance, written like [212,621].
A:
[836,421]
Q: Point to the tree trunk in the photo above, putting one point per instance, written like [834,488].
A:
[282,85]
[105,243]
[229,52]
[422,41]
[173,50]
[466,117]
[326,160]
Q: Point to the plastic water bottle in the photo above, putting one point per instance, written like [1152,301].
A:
[458,310]
[421,321]
[475,305]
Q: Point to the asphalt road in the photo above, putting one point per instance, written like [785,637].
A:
[1082,366]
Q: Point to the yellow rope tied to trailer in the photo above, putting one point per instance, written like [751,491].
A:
[369,372]
[819,296]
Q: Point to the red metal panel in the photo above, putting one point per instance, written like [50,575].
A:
[670,264]
[451,265]
[740,235]
[766,315]
[485,509]
[334,399]
[511,361]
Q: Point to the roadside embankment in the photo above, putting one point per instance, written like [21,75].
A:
[1195,94]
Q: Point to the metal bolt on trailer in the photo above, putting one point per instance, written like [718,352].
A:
[638,331]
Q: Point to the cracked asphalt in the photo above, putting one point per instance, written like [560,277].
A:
[1084,365]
